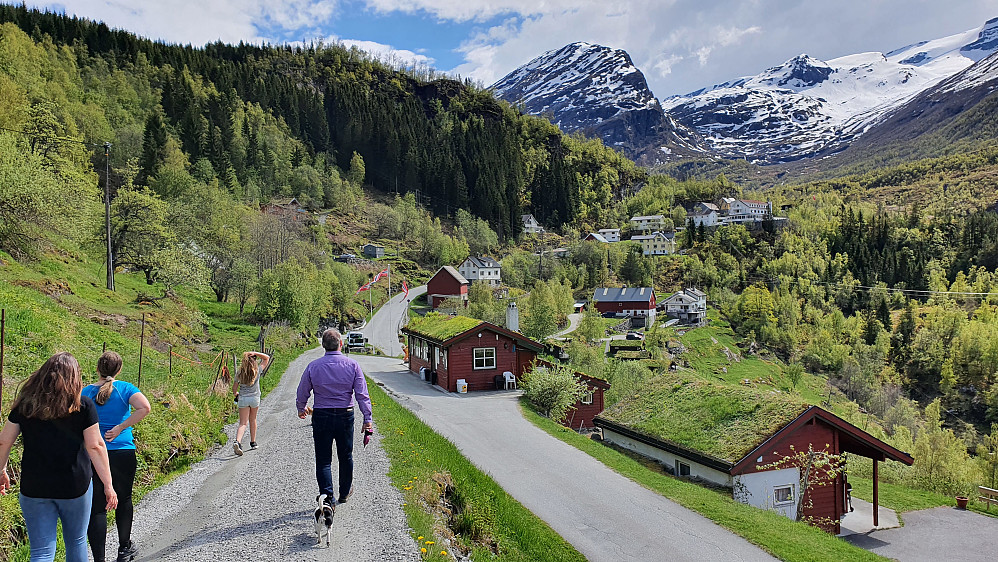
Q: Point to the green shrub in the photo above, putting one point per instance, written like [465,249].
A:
[552,390]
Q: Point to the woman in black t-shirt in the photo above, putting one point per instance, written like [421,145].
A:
[61,439]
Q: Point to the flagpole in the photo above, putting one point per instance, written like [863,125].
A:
[390,315]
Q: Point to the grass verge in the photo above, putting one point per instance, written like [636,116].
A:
[446,498]
[781,537]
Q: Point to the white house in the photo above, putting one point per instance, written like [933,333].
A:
[530,225]
[656,243]
[484,269]
[744,210]
[595,237]
[708,217]
[611,234]
[648,223]
[688,305]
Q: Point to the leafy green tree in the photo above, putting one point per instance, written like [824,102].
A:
[987,457]
[244,280]
[139,232]
[591,327]
[540,313]
[552,391]
[357,171]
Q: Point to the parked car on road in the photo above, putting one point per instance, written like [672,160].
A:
[634,336]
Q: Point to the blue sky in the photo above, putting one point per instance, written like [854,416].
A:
[680,45]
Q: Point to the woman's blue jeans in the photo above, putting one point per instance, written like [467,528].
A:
[41,516]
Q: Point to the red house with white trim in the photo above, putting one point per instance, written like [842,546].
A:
[459,347]
[445,284]
[626,301]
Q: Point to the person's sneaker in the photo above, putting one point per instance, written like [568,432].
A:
[237,449]
[127,553]
[253,445]
[343,499]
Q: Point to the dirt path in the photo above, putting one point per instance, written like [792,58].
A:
[259,506]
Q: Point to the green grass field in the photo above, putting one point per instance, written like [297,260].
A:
[488,523]
[781,537]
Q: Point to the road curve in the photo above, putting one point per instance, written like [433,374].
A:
[603,514]
[259,506]
[383,329]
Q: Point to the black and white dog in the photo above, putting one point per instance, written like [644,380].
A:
[323,518]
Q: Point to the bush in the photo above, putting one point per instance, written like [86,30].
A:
[552,391]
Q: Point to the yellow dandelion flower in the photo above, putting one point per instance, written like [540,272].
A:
[423,550]
[443,552]
[429,542]
[419,538]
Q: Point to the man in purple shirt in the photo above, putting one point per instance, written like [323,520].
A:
[334,380]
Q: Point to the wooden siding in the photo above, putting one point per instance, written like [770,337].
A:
[827,496]
[581,415]
[461,356]
[444,285]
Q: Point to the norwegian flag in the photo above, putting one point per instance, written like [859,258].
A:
[364,287]
[381,275]
[405,289]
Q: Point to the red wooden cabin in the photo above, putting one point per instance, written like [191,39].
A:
[445,284]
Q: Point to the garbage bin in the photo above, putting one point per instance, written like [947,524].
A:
[462,386]
[433,377]
[422,374]
[500,382]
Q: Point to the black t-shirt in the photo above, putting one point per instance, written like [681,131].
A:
[55,463]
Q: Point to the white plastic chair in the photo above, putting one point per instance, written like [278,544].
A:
[510,379]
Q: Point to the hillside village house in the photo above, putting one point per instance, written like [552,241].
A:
[744,210]
[705,216]
[595,237]
[648,223]
[611,234]
[483,269]
[530,225]
[373,251]
[688,306]
[465,349]
[445,284]
[626,301]
[669,425]
[286,208]
[656,243]
[582,413]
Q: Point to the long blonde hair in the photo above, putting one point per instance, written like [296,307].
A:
[248,369]
[108,366]
[53,391]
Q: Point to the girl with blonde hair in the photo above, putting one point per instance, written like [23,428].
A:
[61,439]
[120,405]
[246,387]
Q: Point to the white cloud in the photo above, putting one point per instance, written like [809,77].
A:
[390,54]
[203,21]
[479,10]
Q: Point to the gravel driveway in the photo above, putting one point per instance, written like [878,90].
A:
[603,514]
[259,506]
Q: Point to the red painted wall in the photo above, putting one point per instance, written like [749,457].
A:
[827,499]
[610,306]
[444,283]
[461,362]
[581,415]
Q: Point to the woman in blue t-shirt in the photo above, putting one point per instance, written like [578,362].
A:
[120,405]
[61,439]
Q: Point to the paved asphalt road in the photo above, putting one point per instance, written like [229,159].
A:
[606,516]
[940,533]
[573,322]
[383,329]
[259,506]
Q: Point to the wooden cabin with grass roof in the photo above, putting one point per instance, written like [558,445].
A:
[458,347]
[740,438]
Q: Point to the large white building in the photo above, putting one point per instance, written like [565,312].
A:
[648,223]
[688,305]
[744,210]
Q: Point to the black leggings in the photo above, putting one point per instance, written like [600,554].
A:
[123,466]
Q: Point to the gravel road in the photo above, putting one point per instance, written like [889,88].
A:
[259,506]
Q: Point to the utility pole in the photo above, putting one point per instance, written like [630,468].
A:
[107,214]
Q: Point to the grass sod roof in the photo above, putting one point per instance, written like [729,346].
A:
[441,327]
[722,421]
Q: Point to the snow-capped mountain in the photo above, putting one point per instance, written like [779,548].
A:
[806,106]
[596,90]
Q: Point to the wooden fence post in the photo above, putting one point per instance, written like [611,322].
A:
[3,330]
[142,344]
[170,349]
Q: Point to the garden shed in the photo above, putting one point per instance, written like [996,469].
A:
[733,436]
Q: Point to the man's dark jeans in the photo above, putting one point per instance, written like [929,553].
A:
[329,425]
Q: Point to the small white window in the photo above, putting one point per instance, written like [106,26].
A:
[587,398]
[783,495]
[485,358]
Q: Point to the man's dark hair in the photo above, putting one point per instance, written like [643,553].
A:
[331,339]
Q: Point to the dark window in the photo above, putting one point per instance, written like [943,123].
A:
[682,469]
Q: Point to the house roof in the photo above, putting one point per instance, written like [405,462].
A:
[719,421]
[608,230]
[447,330]
[482,262]
[648,217]
[703,212]
[369,245]
[653,235]
[753,202]
[623,294]
[710,206]
[728,427]
[453,273]
[687,295]
[526,218]
[597,237]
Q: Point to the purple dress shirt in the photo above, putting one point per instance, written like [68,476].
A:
[334,379]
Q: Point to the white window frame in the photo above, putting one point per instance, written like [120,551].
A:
[790,494]
[679,469]
[587,397]
[484,358]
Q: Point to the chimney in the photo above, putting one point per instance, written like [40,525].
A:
[512,317]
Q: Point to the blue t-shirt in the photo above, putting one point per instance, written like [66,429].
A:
[114,411]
